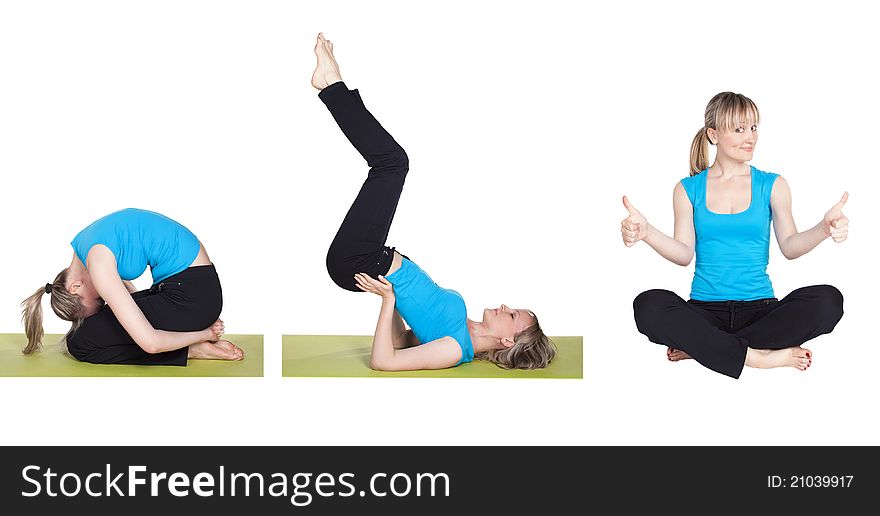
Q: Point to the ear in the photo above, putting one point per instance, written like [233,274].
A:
[75,286]
[713,135]
[507,342]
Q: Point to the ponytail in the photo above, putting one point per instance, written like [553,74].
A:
[700,152]
[32,318]
[67,306]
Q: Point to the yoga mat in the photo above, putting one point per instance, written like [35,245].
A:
[50,361]
[349,356]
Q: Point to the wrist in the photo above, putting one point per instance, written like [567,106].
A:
[649,232]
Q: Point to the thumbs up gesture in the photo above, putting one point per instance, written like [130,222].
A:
[835,223]
[634,227]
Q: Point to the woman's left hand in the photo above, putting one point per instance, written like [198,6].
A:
[381,287]
[835,223]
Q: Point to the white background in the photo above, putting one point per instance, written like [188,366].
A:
[524,122]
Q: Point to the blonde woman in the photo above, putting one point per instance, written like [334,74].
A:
[723,215]
[176,319]
[441,335]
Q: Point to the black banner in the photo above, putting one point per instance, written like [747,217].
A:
[419,480]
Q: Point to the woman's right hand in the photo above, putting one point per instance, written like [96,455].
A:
[634,227]
[216,331]
[380,287]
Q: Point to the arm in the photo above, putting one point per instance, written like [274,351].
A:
[437,354]
[403,338]
[794,244]
[130,287]
[105,278]
[678,249]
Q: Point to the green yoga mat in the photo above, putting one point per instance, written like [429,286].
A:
[52,362]
[349,356]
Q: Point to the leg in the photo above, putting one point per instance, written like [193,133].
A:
[800,316]
[667,319]
[776,335]
[188,301]
[359,245]
[102,340]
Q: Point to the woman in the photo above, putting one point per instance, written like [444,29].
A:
[723,213]
[441,336]
[176,319]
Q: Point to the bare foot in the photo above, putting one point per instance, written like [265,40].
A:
[797,357]
[220,350]
[327,71]
[217,330]
[674,355]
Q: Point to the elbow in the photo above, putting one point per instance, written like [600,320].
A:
[685,260]
[150,345]
[788,254]
[381,365]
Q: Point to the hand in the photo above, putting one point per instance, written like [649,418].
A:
[381,287]
[835,224]
[634,227]
[216,331]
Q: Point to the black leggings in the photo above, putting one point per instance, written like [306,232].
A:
[190,300]
[716,334]
[359,245]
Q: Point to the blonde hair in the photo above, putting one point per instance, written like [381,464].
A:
[531,350]
[67,306]
[725,112]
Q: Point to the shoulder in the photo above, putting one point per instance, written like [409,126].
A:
[779,190]
[449,349]
[690,183]
[447,341]
[766,177]
[690,187]
[691,180]
[100,253]
[459,347]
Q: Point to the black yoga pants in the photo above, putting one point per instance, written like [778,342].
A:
[359,245]
[190,300]
[717,334]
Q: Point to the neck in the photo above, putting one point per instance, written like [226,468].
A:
[77,269]
[480,337]
[726,167]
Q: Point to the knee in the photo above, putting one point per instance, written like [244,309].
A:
[829,304]
[339,268]
[648,304]
[394,161]
[651,299]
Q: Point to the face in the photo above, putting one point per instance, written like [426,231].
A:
[738,144]
[89,299]
[505,322]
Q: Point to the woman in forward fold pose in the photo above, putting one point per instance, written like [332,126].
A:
[441,335]
[176,319]
[723,214]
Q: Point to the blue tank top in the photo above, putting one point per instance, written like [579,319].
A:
[432,312]
[140,238]
[732,249]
